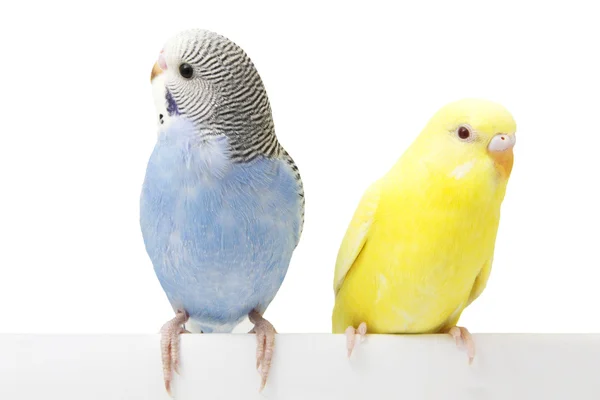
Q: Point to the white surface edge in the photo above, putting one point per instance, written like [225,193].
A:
[306,366]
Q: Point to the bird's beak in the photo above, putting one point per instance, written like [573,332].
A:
[159,67]
[500,149]
[155,71]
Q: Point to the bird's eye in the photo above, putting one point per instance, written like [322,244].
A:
[186,70]
[464,132]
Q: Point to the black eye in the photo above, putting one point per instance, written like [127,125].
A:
[463,132]
[186,70]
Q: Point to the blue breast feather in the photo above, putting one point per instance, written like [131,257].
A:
[220,234]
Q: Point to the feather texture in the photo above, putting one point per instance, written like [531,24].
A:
[419,248]
[220,234]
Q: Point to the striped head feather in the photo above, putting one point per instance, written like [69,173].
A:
[208,79]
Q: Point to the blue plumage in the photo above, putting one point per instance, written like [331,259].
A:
[220,234]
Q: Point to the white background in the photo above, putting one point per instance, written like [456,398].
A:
[350,87]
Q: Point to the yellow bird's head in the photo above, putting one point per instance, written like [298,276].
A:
[469,136]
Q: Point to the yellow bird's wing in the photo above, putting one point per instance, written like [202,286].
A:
[480,282]
[356,234]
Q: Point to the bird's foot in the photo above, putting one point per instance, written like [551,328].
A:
[351,336]
[459,334]
[169,346]
[265,344]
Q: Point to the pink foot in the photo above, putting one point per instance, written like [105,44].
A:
[351,336]
[459,333]
[265,344]
[169,346]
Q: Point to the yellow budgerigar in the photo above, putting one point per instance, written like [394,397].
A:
[420,245]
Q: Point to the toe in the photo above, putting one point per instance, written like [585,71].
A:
[165,345]
[168,386]
[169,346]
[456,334]
[362,329]
[263,382]
[350,338]
[470,343]
[175,353]
[265,343]
[166,362]
[462,334]
[267,359]
[260,348]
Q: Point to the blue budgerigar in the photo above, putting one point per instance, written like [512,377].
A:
[222,205]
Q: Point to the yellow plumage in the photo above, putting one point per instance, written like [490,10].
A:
[420,245]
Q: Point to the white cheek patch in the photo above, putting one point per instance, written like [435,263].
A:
[501,143]
[462,170]
[158,93]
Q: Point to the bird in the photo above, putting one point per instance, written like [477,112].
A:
[420,245]
[222,202]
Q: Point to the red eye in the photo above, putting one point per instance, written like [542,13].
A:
[464,132]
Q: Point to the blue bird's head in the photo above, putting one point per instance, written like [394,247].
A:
[209,80]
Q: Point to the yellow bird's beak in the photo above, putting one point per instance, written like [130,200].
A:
[155,71]
[159,67]
[500,149]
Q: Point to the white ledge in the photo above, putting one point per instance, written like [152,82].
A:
[306,366]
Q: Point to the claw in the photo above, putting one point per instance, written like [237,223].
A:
[265,344]
[351,336]
[459,334]
[169,345]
